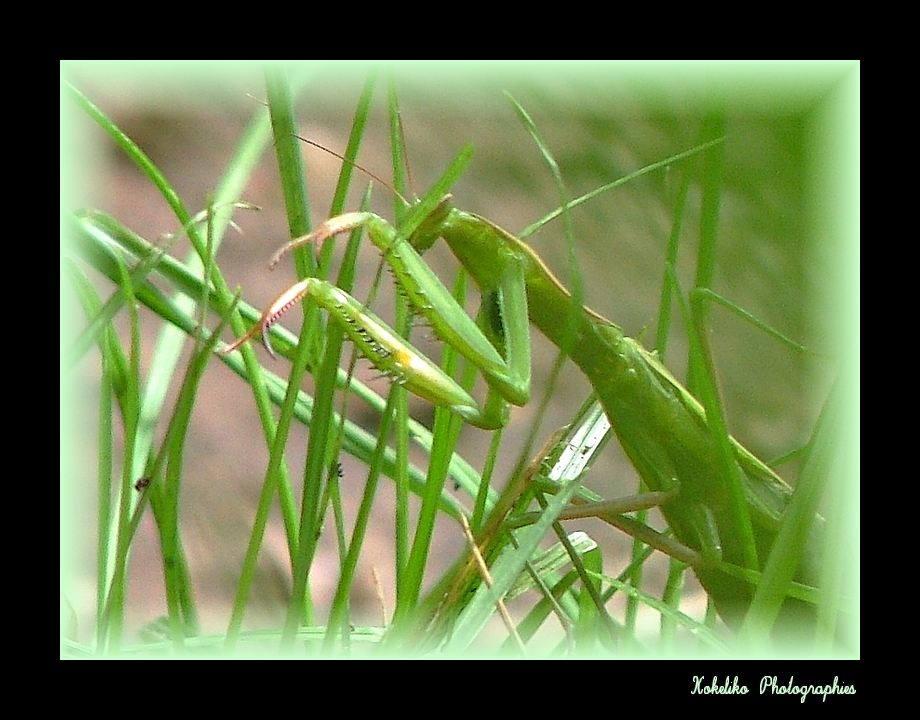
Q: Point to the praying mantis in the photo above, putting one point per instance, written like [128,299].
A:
[722,502]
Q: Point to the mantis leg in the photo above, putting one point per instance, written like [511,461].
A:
[389,353]
[482,344]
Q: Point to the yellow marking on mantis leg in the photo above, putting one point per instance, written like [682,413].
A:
[407,360]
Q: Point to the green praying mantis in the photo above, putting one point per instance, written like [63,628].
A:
[721,502]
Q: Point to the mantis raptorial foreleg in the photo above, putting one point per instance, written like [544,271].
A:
[509,381]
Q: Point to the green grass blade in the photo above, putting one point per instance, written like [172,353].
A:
[796,527]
